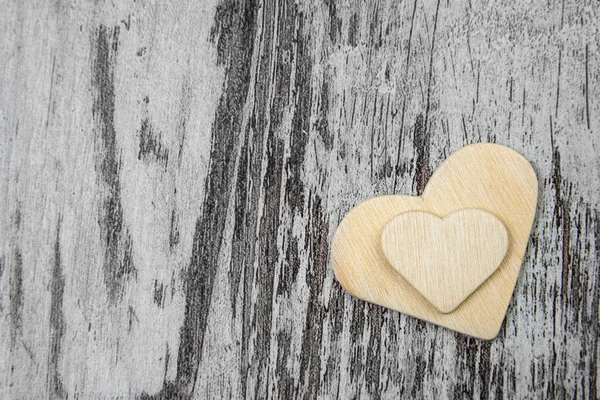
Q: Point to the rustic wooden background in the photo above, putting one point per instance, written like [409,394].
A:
[171,175]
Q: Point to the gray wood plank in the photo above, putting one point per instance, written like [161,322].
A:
[171,175]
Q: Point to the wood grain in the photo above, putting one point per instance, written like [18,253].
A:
[445,259]
[171,175]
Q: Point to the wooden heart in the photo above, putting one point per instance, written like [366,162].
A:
[445,259]
[488,177]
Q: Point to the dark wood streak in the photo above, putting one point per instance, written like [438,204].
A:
[183,117]
[352,30]
[2,268]
[118,263]
[422,143]
[357,330]
[294,188]
[16,296]
[150,147]
[335,314]
[422,140]
[173,230]
[373,357]
[572,225]
[56,389]
[234,46]
[16,284]
[268,262]
[259,276]
[310,356]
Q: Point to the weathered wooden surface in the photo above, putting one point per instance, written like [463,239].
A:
[171,174]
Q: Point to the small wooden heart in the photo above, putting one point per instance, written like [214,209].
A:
[445,259]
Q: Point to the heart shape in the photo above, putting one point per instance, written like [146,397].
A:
[488,177]
[445,259]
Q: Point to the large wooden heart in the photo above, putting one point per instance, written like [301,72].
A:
[487,177]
